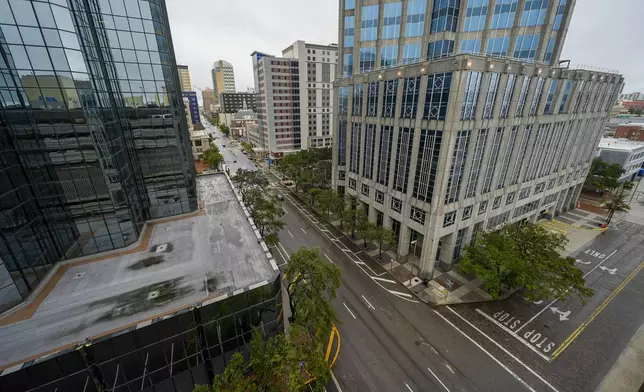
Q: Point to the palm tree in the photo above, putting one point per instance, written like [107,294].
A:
[617,204]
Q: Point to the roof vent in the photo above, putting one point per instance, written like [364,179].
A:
[162,248]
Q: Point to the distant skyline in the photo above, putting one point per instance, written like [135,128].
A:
[204,31]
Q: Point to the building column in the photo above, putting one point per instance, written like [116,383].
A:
[403,243]
[447,251]
[427,258]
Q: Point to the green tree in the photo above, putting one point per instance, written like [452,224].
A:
[312,284]
[224,129]
[385,238]
[618,202]
[368,232]
[271,360]
[362,222]
[526,257]
[604,175]
[326,198]
[313,193]
[265,211]
[247,180]
[212,156]
[234,377]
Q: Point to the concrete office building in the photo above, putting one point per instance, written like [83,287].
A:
[208,99]
[184,78]
[107,148]
[295,94]
[455,118]
[223,78]
[629,154]
[234,102]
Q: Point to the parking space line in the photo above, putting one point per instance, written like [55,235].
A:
[596,313]
[554,301]
[508,330]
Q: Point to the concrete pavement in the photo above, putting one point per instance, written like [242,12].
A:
[389,341]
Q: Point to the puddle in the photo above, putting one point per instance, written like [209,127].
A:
[147,262]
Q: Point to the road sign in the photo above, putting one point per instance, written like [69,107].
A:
[563,316]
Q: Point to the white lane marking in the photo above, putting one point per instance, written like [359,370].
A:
[408,387]
[303,230]
[499,346]
[383,279]
[554,301]
[291,234]
[328,258]
[367,301]
[399,293]
[349,310]
[335,381]
[450,368]
[438,379]
[287,257]
[515,335]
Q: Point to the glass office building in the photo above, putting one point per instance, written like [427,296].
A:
[94,139]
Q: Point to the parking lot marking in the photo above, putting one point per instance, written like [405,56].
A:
[554,301]
[596,313]
[516,336]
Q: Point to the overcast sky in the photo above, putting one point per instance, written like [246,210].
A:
[603,34]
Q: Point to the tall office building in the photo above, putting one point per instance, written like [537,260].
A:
[208,99]
[457,116]
[223,78]
[295,92]
[184,78]
[93,135]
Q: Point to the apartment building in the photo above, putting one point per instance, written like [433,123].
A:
[223,78]
[184,78]
[456,118]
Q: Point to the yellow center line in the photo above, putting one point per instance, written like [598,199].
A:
[596,313]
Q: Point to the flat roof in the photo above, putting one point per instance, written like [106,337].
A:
[620,144]
[213,253]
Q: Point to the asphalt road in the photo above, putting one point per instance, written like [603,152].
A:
[390,342]
[234,159]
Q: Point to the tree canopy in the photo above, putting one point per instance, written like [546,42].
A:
[604,175]
[527,257]
[212,156]
[308,168]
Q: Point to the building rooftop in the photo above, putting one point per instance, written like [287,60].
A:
[178,262]
[198,134]
[607,143]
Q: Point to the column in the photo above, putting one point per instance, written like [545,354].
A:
[403,243]
[447,251]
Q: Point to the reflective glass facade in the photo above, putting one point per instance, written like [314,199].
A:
[94,137]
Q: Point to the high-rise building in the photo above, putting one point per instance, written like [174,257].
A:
[234,102]
[295,97]
[184,78]
[457,116]
[94,139]
[223,78]
[208,99]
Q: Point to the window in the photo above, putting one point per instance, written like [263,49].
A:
[445,15]
[472,89]
[457,166]
[475,165]
[525,46]
[380,197]
[437,96]
[522,96]
[403,159]
[510,198]
[475,15]
[355,148]
[342,143]
[534,13]
[548,109]
[396,204]
[349,31]
[417,215]
[506,158]
[449,219]
[364,189]
[551,46]
[369,24]
[369,148]
[539,188]
[467,213]
[358,92]
[492,159]
[522,153]
[507,96]
[349,4]
[389,99]
[497,46]
[415,26]
[504,11]
[559,15]
[490,96]
[440,49]
[367,59]
[372,99]
[411,87]
[391,20]
[497,202]
[471,46]
[389,56]
[428,153]
[347,70]
[343,100]
[352,183]
[536,98]
[525,192]
[483,207]
[384,154]
[411,53]
[458,244]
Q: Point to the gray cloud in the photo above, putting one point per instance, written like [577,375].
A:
[602,33]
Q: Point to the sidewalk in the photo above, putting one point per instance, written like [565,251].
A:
[626,375]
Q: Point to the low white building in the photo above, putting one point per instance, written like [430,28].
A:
[200,142]
[627,153]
